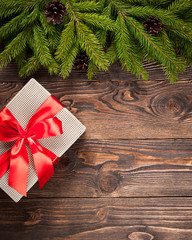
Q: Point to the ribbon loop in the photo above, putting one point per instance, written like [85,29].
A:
[42,124]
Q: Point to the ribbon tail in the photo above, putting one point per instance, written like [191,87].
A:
[19,164]
[4,162]
[43,161]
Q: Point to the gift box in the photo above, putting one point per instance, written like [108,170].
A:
[45,141]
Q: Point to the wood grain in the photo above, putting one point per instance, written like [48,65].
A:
[79,219]
[130,175]
[121,168]
[122,109]
[10,74]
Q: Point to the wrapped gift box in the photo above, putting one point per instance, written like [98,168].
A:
[23,106]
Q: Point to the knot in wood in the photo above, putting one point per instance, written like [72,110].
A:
[67,104]
[33,217]
[67,161]
[101,214]
[173,105]
[108,181]
[140,236]
[166,105]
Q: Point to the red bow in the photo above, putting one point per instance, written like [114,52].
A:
[42,124]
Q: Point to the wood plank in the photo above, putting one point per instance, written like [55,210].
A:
[115,72]
[133,219]
[122,109]
[121,168]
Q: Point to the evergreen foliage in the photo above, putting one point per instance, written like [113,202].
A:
[107,30]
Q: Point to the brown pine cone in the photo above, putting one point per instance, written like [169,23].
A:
[81,62]
[54,11]
[153,26]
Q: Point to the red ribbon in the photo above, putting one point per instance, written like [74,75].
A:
[42,124]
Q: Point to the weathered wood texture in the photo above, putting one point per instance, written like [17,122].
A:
[130,174]
[80,219]
[123,168]
[114,107]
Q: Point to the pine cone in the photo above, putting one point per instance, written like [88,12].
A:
[153,26]
[81,62]
[54,12]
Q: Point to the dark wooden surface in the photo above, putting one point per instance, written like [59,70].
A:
[128,177]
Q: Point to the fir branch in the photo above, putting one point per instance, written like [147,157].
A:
[66,41]
[30,41]
[170,21]
[152,3]
[31,66]
[87,40]
[6,12]
[70,10]
[165,16]
[67,64]
[53,40]
[97,20]
[47,28]
[102,33]
[92,70]
[90,44]
[13,49]
[18,23]
[88,26]
[112,53]
[178,5]
[167,58]
[90,6]
[42,50]
[52,32]
[11,26]
[21,59]
[102,37]
[183,46]
[11,7]
[128,59]
[120,5]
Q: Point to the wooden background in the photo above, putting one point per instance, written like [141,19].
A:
[128,177]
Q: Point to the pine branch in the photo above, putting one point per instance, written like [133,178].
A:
[66,41]
[92,70]
[21,59]
[103,33]
[90,6]
[120,5]
[67,64]
[47,28]
[170,21]
[165,16]
[11,7]
[18,23]
[53,32]
[6,12]
[102,37]
[13,49]
[90,44]
[178,5]
[97,20]
[129,60]
[31,66]
[42,50]
[11,26]
[165,57]
[112,53]
[88,26]
[183,46]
